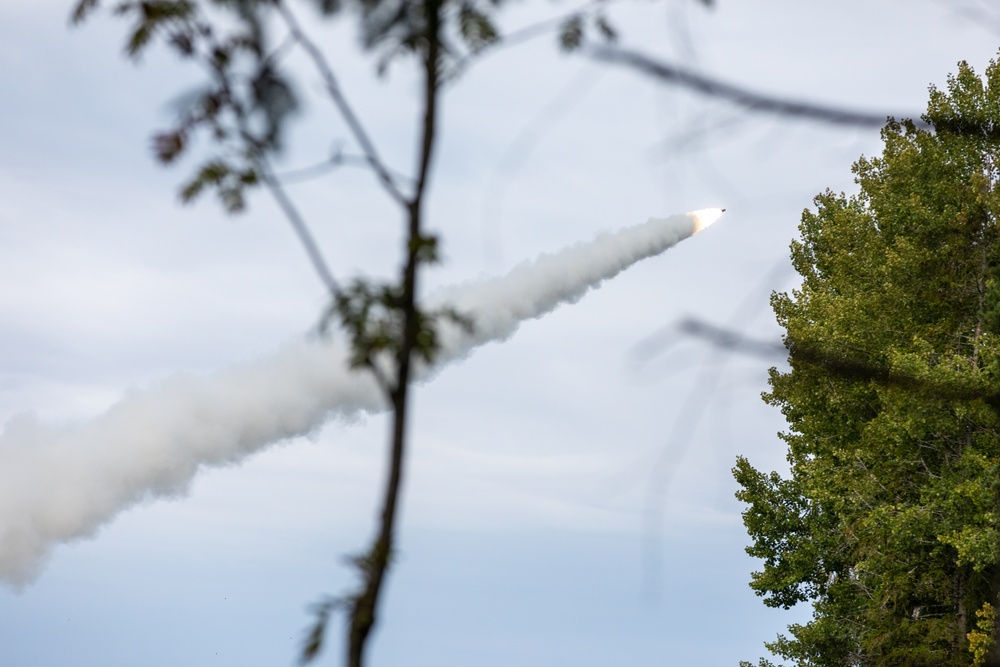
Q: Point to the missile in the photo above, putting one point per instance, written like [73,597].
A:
[705,217]
[61,483]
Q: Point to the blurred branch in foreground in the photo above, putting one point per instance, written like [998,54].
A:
[727,339]
[843,364]
[743,97]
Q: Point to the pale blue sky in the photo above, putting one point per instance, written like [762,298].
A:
[522,540]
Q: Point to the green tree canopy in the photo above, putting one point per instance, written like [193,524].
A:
[889,521]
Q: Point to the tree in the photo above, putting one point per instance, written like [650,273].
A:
[244,109]
[889,521]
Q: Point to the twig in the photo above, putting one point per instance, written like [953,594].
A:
[336,160]
[731,340]
[300,227]
[333,88]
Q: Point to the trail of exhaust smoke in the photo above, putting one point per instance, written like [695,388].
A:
[62,482]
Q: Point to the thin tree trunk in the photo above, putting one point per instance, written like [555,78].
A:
[375,565]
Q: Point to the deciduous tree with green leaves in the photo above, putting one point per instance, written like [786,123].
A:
[889,519]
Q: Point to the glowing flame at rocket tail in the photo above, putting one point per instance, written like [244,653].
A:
[59,483]
[705,217]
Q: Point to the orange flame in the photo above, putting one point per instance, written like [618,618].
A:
[705,217]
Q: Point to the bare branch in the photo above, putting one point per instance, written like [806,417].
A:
[300,227]
[847,364]
[527,33]
[337,95]
[731,340]
[281,50]
[748,99]
[338,159]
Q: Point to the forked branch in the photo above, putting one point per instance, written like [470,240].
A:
[340,101]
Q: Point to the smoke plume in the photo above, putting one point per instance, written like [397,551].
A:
[62,482]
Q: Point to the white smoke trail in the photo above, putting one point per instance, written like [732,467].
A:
[62,482]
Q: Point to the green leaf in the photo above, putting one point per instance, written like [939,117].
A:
[312,646]
[83,9]
[476,28]
[571,33]
[139,38]
[169,145]
[212,174]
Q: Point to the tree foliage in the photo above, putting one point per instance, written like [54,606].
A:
[889,521]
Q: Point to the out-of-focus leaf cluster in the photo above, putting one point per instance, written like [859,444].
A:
[246,103]
[313,643]
[372,315]
[228,181]
[248,99]
[573,31]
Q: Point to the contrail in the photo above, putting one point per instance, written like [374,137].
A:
[62,482]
